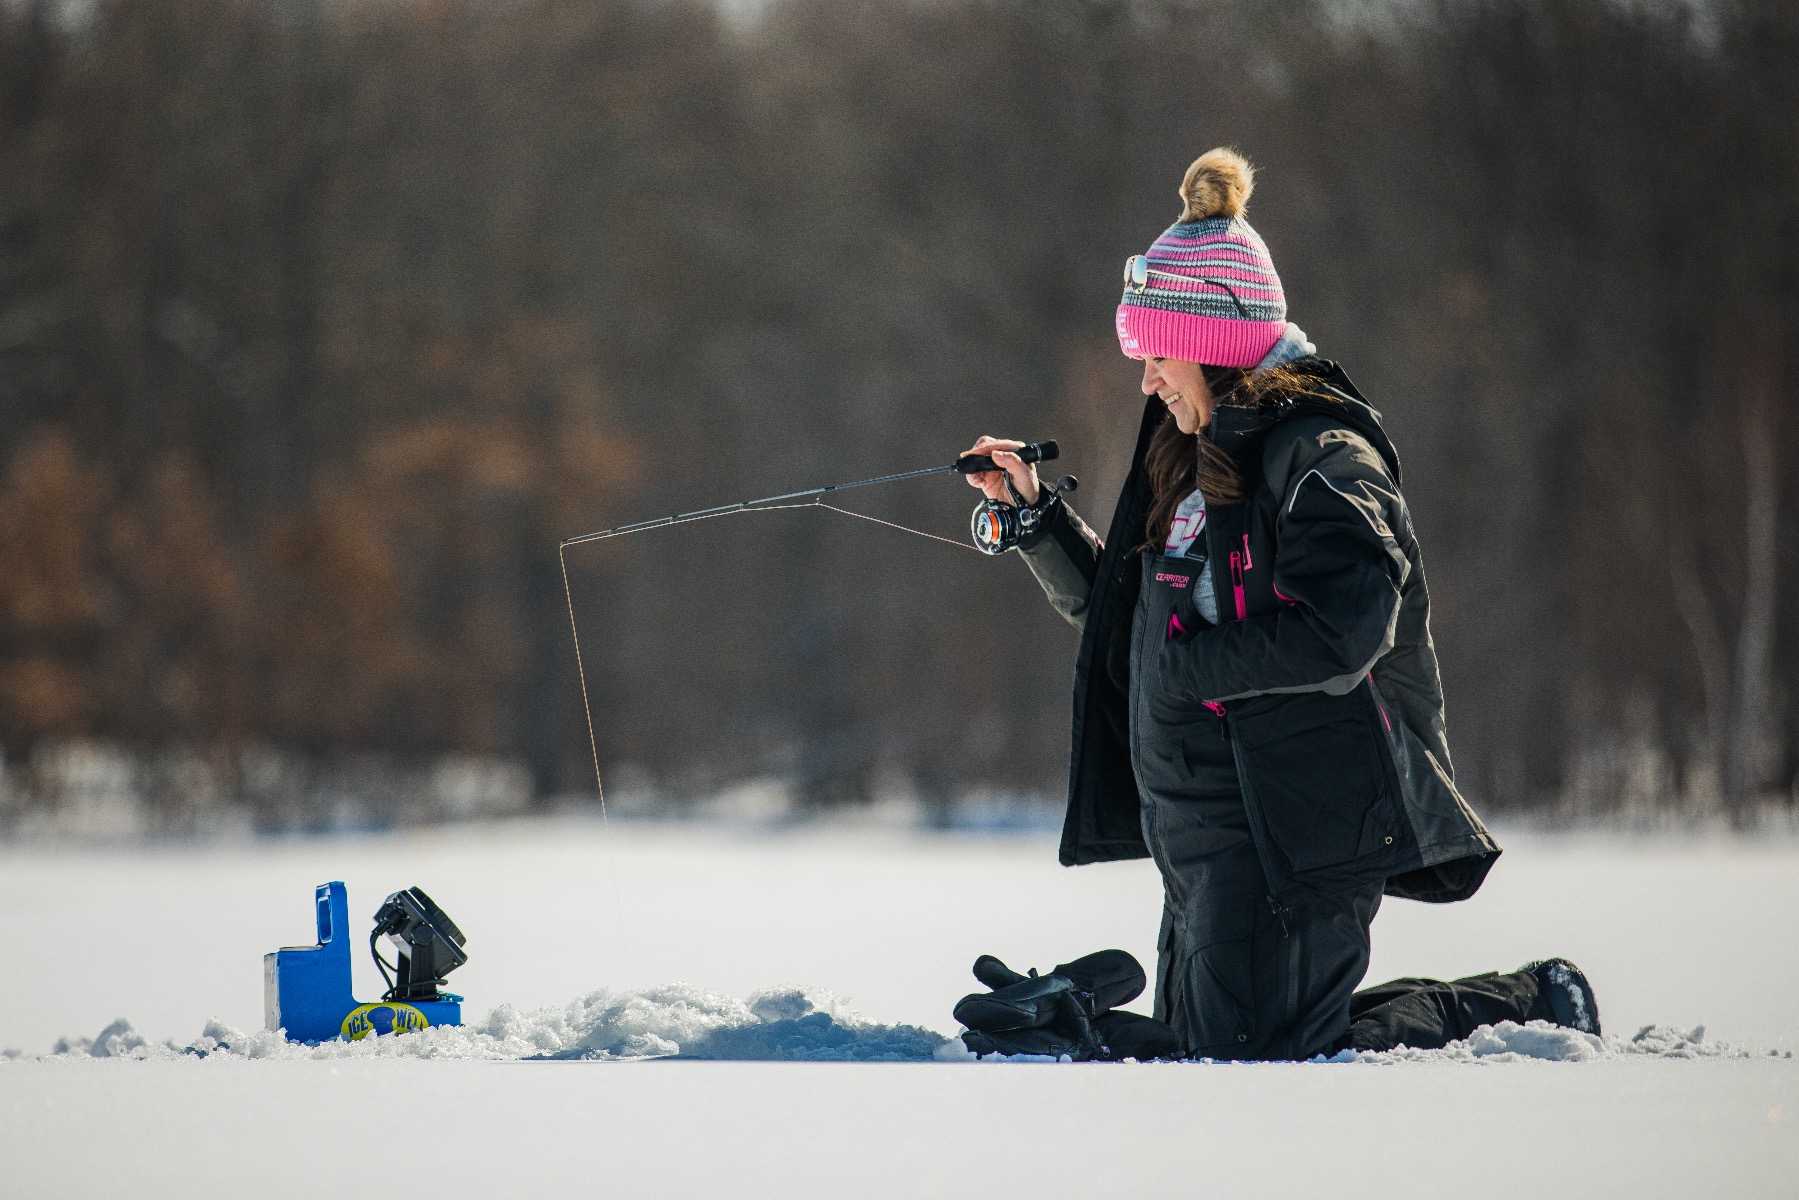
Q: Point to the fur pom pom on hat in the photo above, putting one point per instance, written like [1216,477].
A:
[1218,184]
[1206,291]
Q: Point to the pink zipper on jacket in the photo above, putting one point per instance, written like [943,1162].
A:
[1240,562]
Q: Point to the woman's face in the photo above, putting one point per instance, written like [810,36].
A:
[1182,387]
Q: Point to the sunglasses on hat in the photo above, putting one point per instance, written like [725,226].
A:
[1137,272]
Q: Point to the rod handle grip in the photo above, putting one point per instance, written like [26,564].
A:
[1042,451]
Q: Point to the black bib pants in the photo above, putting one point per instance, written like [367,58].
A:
[1233,979]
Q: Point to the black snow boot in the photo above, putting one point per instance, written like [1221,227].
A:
[1567,994]
[1067,1013]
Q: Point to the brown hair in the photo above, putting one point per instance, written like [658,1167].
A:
[1177,462]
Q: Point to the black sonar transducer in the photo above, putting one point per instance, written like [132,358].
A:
[428,942]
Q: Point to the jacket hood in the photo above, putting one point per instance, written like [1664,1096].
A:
[1234,426]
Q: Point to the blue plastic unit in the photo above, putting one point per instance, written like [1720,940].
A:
[306,990]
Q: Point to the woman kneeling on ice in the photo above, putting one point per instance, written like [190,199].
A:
[1256,701]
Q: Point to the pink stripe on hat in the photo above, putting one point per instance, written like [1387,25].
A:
[1215,341]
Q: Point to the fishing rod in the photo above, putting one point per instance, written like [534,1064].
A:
[996,527]
[968,464]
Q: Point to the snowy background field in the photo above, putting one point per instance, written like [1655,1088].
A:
[577,936]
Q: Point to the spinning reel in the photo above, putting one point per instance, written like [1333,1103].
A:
[997,526]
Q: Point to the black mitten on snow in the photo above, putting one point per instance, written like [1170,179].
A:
[1031,1003]
[1110,977]
[995,974]
[1067,1012]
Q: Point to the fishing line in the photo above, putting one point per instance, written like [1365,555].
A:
[568,593]
[618,901]
[968,464]
[889,524]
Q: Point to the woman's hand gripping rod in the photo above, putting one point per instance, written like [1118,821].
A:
[968,464]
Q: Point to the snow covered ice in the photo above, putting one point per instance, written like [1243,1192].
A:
[783,1024]
[131,1012]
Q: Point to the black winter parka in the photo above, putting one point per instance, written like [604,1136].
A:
[1322,660]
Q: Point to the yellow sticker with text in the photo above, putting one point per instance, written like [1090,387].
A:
[385,1017]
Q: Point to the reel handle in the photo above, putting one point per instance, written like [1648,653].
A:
[1042,451]
[997,526]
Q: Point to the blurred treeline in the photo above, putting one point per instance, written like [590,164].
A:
[321,323]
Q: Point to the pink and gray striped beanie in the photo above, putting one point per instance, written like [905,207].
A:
[1206,292]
